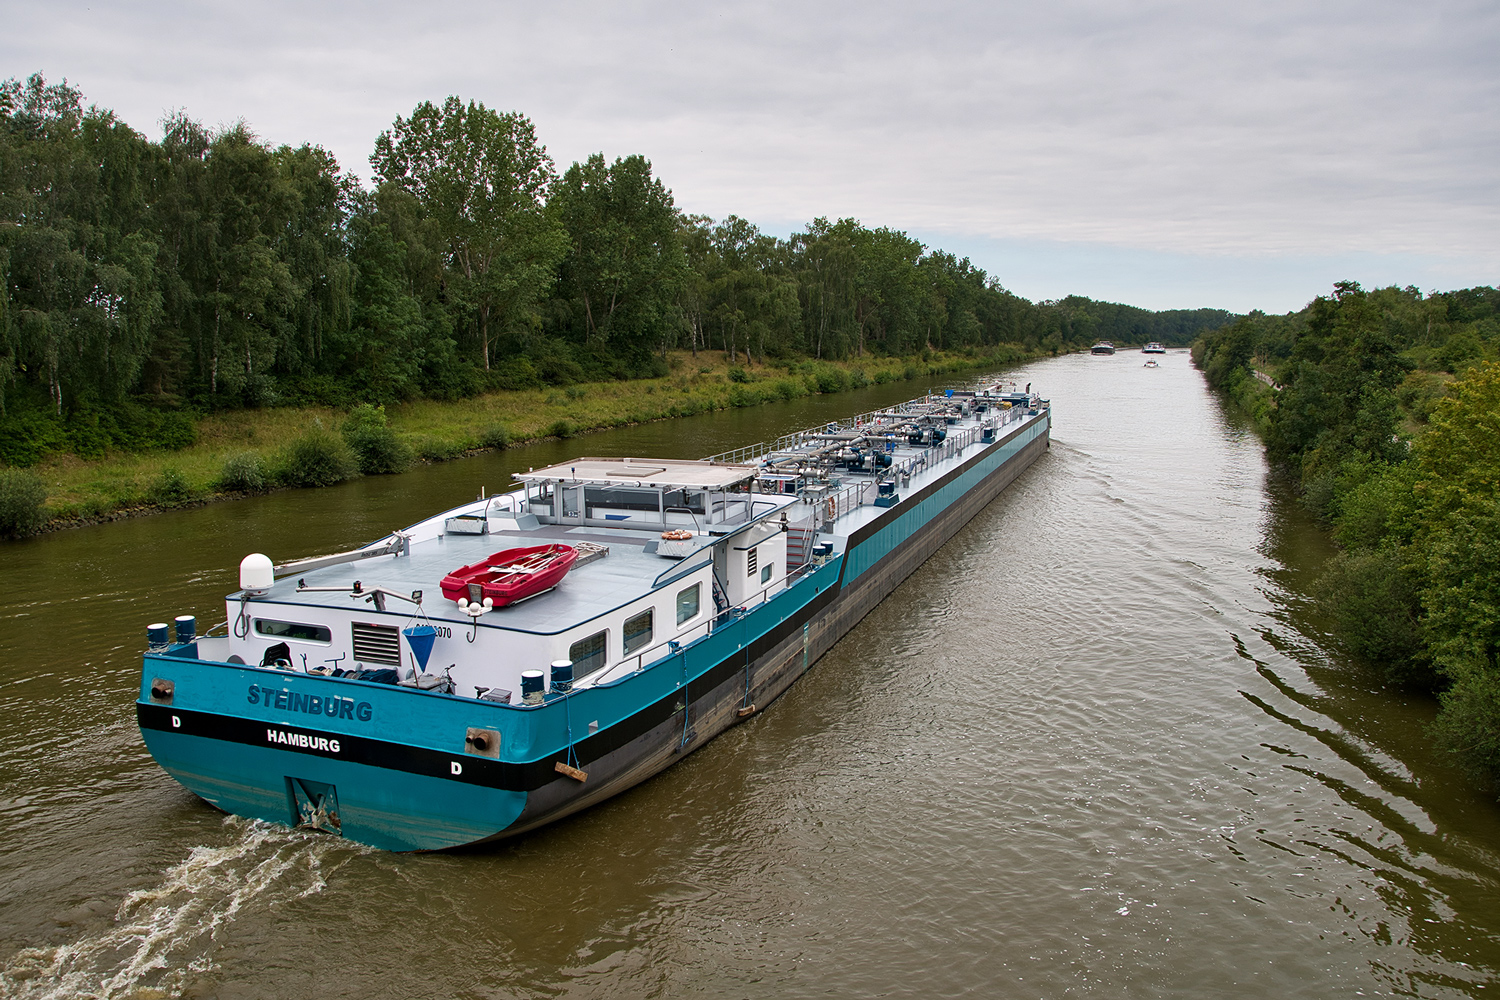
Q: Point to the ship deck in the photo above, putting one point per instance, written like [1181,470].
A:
[626,573]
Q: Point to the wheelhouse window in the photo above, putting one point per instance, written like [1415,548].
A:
[690,499]
[687,603]
[765,574]
[638,631]
[293,630]
[623,499]
[588,654]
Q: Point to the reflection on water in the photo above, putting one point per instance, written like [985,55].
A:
[1092,747]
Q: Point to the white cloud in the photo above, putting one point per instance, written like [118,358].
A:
[1266,132]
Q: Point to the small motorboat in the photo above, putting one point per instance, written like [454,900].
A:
[1151,364]
[511,575]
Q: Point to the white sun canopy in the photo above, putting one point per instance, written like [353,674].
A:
[663,473]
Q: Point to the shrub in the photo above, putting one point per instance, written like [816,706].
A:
[170,489]
[28,437]
[434,449]
[741,396]
[242,472]
[738,374]
[1372,600]
[317,458]
[575,392]
[175,432]
[376,447]
[830,379]
[1469,724]
[858,379]
[22,496]
[562,429]
[496,437]
[789,388]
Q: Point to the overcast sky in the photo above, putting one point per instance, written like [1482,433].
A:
[1163,154]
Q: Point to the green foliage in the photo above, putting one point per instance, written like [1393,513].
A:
[171,489]
[1456,525]
[317,458]
[788,388]
[1417,591]
[23,498]
[376,447]
[480,178]
[433,449]
[1379,510]
[1469,723]
[1372,601]
[562,429]
[752,395]
[625,260]
[242,472]
[496,438]
[738,374]
[29,436]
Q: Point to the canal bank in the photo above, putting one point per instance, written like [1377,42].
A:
[254,451]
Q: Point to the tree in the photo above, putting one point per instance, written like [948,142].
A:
[625,262]
[481,177]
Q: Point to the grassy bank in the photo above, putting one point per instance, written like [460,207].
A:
[81,491]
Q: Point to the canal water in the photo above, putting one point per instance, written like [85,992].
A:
[1094,747]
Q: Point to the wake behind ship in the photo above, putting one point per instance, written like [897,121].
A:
[521,657]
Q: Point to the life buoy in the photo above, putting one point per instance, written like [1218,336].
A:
[832,509]
[677,535]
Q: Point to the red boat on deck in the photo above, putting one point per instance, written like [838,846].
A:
[512,574]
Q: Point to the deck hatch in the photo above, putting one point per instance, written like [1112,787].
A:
[377,643]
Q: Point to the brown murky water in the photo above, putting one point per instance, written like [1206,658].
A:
[1092,748]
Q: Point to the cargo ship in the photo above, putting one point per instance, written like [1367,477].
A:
[525,655]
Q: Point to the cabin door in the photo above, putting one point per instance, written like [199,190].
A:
[572,504]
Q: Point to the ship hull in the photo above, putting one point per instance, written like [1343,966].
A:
[397,794]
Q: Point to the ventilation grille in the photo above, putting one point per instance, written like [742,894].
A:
[377,644]
[751,560]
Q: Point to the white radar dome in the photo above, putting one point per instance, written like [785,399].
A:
[256,574]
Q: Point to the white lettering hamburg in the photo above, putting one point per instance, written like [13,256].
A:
[302,740]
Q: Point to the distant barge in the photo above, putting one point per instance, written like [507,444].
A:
[350,696]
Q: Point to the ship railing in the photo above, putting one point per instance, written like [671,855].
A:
[668,647]
[752,602]
[803,439]
[859,494]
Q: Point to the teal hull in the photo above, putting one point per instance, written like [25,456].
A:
[391,767]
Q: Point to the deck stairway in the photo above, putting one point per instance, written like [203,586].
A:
[799,544]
